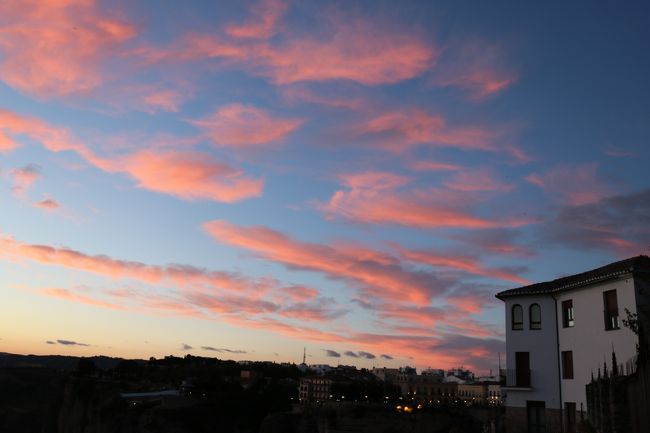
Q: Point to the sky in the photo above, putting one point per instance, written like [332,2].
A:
[246,179]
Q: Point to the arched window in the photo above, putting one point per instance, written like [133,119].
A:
[517,317]
[535,315]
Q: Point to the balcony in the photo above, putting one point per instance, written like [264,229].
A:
[518,379]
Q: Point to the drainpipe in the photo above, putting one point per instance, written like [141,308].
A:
[559,375]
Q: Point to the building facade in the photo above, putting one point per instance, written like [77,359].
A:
[314,390]
[560,332]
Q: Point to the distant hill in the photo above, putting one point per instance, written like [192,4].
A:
[58,362]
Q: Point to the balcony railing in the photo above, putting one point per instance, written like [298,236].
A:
[518,378]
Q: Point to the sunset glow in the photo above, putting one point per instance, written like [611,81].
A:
[346,176]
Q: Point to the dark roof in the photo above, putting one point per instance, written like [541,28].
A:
[613,270]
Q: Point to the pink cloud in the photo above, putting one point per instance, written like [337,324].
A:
[262,23]
[68,295]
[298,93]
[201,291]
[48,204]
[167,100]
[433,166]
[422,344]
[24,178]
[465,264]
[300,293]
[181,275]
[346,49]
[53,138]
[400,130]
[239,125]
[380,271]
[573,184]
[502,241]
[183,174]
[6,143]
[476,180]
[56,47]
[378,198]
[189,175]
[354,50]
[476,68]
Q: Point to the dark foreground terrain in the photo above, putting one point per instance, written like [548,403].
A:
[105,395]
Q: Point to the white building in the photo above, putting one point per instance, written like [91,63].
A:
[560,332]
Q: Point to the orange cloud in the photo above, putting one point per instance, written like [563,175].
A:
[263,21]
[68,295]
[300,293]
[56,47]
[239,125]
[400,130]
[465,264]
[181,275]
[201,291]
[376,198]
[54,139]
[189,175]
[6,143]
[379,271]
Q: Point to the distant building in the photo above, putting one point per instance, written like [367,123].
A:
[386,374]
[473,393]
[560,332]
[425,388]
[321,369]
[314,390]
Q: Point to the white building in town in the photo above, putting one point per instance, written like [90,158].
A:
[560,332]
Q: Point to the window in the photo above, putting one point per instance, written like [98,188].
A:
[522,372]
[535,315]
[517,317]
[567,313]
[611,310]
[567,364]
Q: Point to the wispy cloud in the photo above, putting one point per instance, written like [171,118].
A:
[366,267]
[241,126]
[477,68]
[262,23]
[184,174]
[573,184]
[616,223]
[81,34]
[386,198]
[24,178]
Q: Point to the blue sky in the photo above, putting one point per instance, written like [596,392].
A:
[264,176]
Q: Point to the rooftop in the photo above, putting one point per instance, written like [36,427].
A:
[604,273]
